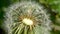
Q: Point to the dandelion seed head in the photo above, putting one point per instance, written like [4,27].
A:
[16,13]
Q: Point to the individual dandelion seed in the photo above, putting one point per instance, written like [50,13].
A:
[27,18]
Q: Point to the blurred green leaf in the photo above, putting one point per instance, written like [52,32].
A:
[54,4]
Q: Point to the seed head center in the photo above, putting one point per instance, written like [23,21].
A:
[27,21]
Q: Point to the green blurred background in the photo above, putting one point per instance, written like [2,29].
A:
[52,5]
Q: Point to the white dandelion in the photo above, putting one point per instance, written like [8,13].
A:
[27,17]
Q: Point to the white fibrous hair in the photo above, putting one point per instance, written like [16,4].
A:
[27,9]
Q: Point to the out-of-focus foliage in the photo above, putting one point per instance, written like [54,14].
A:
[54,4]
